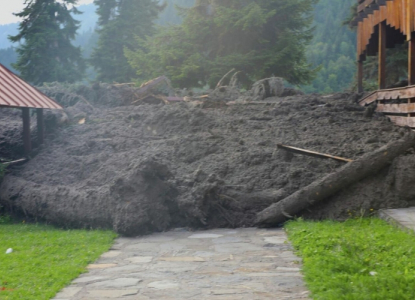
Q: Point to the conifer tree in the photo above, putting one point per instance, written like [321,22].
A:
[46,53]
[119,22]
[260,38]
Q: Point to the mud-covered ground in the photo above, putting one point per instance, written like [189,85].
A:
[147,168]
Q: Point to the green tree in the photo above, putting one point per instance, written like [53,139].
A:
[119,22]
[260,38]
[333,46]
[46,53]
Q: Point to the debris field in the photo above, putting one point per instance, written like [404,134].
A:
[151,166]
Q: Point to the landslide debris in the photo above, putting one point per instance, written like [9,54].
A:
[151,167]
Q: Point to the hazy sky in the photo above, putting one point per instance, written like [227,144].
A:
[8,7]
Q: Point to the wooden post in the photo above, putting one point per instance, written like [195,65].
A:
[411,60]
[360,76]
[26,130]
[382,55]
[40,126]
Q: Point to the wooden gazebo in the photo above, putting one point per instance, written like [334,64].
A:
[16,93]
[382,24]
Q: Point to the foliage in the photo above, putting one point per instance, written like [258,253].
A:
[45,259]
[357,259]
[170,14]
[46,53]
[119,21]
[8,57]
[259,38]
[333,47]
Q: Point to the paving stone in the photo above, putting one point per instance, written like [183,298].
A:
[116,283]
[182,259]
[158,238]
[283,269]
[68,292]
[140,259]
[112,293]
[205,236]
[101,266]
[111,254]
[129,268]
[171,247]
[228,292]
[236,248]
[275,240]
[88,279]
[223,264]
[163,285]
[142,247]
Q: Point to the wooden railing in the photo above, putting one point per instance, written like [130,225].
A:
[397,104]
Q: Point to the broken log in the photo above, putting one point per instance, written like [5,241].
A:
[329,185]
[14,162]
[312,153]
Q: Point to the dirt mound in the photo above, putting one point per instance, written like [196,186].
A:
[147,168]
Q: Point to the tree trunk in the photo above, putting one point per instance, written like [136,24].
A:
[334,182]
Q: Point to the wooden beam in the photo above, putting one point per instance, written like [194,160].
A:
[26,130]
[360,76]
[40,126]
[404,108]
[312,153]
[382,55]
[403,121]
[411,60]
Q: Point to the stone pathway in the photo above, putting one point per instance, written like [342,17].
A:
[403,217]
[216,264]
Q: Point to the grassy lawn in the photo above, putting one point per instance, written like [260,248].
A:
[356,260]
[45,259]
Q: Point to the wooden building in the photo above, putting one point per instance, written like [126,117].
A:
[382,24]
[16,93]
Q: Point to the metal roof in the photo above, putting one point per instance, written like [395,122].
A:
[15,92]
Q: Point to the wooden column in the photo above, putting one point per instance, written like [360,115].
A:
[360,76]
[26,130]
[40,126]
[382,55]
[411,60]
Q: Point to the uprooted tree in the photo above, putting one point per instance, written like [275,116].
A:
[258,38]
[325,187]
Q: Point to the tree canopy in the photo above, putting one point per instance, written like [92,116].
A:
[46,53]
[119,22]
[260,38]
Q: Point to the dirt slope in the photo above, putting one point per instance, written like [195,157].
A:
[147,168]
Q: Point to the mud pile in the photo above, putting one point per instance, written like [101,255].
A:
[147,168]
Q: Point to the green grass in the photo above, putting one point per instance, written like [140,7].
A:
[45,259]
[356,260]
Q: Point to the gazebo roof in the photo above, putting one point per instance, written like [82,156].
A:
[17,93]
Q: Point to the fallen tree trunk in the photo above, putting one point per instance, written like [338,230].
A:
[334,182]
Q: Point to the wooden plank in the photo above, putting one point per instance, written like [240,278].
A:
[411,59]
[360,76]
[312,153]
[403,121]
[404,108]
[389,94]
[40,126]
[26,130]
[382,56]
[14,162]
[369,99]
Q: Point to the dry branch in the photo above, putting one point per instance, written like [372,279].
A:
[323,188]
[223,78]
[312,153]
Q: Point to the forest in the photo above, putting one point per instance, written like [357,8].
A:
[330,52]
